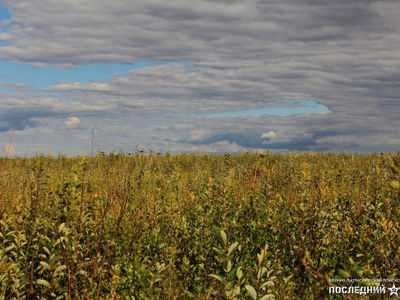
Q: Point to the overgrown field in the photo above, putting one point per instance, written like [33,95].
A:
[187,226]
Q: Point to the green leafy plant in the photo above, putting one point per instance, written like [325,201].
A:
[117,226]
[234,280]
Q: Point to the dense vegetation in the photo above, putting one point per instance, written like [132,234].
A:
[187,226]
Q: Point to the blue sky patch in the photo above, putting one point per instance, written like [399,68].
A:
[11,72]
[299,107]
[4,15]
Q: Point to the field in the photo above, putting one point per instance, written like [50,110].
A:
[190,226]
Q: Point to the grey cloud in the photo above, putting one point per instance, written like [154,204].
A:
[15,121]
[165,94]
[239,55]
[20,119]
[86,31]
[22,111]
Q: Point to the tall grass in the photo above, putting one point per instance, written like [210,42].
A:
[195,226]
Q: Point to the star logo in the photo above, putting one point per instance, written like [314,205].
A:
[393,290]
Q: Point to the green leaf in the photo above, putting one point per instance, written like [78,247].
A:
[228,266]
[252,292]
[9,248]
[45,265]
[239,273]
[46,250]
[229,287]
[82,272]
[11,233]
[395,169]
[267,297]
[260,259]
[43,282]
[344,274]
[394,184]
[263,270]
[219,278]
[233,247]
[223,237]
[236,291]
[46,238]
[61,228]
[267,283]
[395,166]
[160,267]
[60,268]
[217,250]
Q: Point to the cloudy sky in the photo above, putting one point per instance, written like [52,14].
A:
[199,76]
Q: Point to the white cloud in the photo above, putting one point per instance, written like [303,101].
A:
[220,147]
[270,134]
[94,87]
[48,130]
[73,122]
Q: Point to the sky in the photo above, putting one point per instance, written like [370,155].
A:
[199,76]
